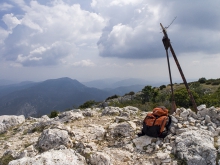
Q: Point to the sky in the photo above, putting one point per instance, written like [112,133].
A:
[98,39]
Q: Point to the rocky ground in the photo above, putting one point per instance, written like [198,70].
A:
[109,137]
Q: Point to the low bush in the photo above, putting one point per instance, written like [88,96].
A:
[53,114]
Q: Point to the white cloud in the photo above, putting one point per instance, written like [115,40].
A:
[195,62]
[3,35]
[131,31]
[39,50]
[124,2]
[16,65]
[64,33]
[129,64]
[52,54]
[84,63]
[21,4]
[5,6]
[93,3]
[45,35]
[11,21]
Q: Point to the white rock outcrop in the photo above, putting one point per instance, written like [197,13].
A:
[111,111]
[69,116]
[53,157]
[142,142]
[7,121]
[196,147]
[124,129]
[99,158]
[109,137]
[53,138]
[92,132]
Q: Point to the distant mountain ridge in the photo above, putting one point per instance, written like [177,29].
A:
[115,83]
[43,97]
[38,98]
[6,82]
[6,89]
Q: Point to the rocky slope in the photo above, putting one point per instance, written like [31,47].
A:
[108,137]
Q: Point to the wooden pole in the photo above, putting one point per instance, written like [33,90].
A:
[173,105]
[167,45]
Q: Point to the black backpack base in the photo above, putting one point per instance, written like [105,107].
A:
[154,131]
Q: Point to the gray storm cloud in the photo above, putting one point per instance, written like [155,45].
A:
[196,29]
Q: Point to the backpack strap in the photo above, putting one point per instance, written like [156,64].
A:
[164,133]
[169,122]
[163,123]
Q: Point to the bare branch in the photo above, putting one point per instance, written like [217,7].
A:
[170,23]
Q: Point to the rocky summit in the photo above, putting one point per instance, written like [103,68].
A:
[96,136]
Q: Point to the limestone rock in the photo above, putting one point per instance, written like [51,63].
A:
[53,157]
[88,112]
[207,119]
[124,129]
[184,114]
[7,121]
[53,138]
[108,136]
[174,120]
[91,132]
[201,107]
[69,116]
[130,110]
[163,155]
[196,147]
[179,131]
[142,141]
[112,111]
[119,156]
[178,111]
[119,119]
[100,158]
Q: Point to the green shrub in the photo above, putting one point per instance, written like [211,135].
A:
[53,114]
[202,80]
[216,83]
[162,87]
[87,104]
[182,98]
[5,159]
[112,97]
[38,129]
[130,93]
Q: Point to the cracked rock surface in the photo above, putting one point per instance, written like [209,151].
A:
[109,137]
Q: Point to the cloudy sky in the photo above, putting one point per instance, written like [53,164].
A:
[97,39]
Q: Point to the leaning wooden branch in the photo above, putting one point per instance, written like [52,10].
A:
[167,45]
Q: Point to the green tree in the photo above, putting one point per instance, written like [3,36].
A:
[53,114]
[87,104]
[196,87]
[131,93]
[162,87]
[202,80]
[182,98]
[112,97]
[149,94]
[213,99]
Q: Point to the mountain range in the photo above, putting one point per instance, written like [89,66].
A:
[38,98]
[112,83]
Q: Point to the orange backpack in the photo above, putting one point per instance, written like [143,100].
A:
[155,123]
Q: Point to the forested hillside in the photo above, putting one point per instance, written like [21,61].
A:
[205,91]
